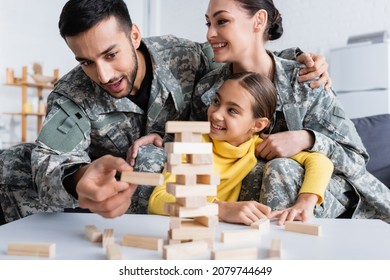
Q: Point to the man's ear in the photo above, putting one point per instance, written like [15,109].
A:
[261,18]
[260,124]
[135,36]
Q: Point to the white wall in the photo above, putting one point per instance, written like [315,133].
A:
[29,32]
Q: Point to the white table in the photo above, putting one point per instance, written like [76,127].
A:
[340,239]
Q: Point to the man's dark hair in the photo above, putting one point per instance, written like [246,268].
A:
[80,15]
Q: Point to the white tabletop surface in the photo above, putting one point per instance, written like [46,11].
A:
[340,239]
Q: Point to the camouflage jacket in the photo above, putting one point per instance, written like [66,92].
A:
[84,122]
[317,110]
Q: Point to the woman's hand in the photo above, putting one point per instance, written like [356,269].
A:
[316,67]
[132,152]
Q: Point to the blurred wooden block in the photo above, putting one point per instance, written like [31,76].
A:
[174,159]
[187,168]
[274,252]
[142,178]
[192,233]
[192,201]
[208,221]
[200,158]
[187,126]
[187,179]
[188,148]
[191,191]
[144,242]
[174,209]
[113,252]
[302,228]
[188,250]
[108,237]
[235,254]
[187,136]
[230,236]
[208,179]
[32,249]
[93,234]
[262,224]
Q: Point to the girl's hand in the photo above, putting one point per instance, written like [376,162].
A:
[242,212]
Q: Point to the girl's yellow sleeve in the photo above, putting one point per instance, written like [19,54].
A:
[318,171]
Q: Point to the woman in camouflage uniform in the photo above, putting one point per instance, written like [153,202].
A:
[306,118]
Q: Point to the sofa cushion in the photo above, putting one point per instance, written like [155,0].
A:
[375,134]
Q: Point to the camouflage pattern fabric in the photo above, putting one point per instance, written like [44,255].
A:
[319,111]
[84,123]
[150,159]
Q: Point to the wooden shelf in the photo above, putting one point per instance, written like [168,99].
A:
[24,84]
[26,114]
[32,85]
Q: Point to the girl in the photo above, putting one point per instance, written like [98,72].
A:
[240,110]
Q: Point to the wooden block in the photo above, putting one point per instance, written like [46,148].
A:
[187,136]
[32,249]
[262,224]
[205,221]
[230,236]
[113,252]
[209,209]
[108,237]
[235,254]
[187,126]
[274,252]
[187,168]
[192,201]
[93,234]
[190,191]
[200,158]
[188,250]
[302,228]
[145,242]
[187,179]
[208,179]
[174,159]
[188,148]
[175,222]
[173,241]
[192,233]
[208,221]
[9,76]
[142,178]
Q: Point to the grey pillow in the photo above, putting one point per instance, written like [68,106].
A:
[375,134]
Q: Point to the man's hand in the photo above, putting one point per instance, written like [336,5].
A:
[316,66]
[100,192]
[284,144]
[132,152]
[242,212]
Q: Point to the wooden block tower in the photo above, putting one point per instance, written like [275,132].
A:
[192,218]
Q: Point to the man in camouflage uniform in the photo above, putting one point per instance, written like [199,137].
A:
[124,88]
[88,119]
[352,191]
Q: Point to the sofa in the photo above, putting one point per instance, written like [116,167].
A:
[375,134]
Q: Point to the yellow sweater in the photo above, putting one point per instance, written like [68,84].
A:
[234,163]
